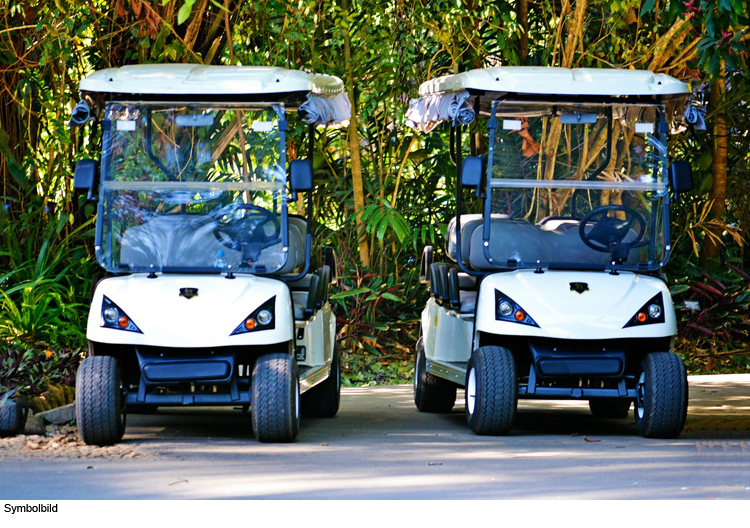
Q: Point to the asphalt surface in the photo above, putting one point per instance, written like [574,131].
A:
[380,447]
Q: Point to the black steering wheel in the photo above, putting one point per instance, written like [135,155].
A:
[246,233]
[609,232]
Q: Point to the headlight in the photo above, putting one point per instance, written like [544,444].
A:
[650,313]
[506,309]
[264,317]
[111,315]
[261,319]
[114,317]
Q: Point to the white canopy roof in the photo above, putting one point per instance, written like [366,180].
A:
[558,81]
[196,79]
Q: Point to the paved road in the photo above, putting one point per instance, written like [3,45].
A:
[380,447]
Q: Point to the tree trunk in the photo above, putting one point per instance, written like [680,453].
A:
[522,12]
[354,149]
[718,194]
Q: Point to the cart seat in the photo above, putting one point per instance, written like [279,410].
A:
[553,240]
[184,240]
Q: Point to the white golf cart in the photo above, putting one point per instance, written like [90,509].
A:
[208,299]
[555,291]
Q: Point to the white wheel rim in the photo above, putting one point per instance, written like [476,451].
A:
[296,404]
[639,404]
[471,391]
[416,373]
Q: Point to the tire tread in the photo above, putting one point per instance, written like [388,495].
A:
[99,413]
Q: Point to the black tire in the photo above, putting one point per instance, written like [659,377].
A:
[100,411]
[322,401]
[12,419]
[610,408]
[431,394]
[491,391]
[275,401]
[662,396]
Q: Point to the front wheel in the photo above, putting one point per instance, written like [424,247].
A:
[322,401]
[100,413]
[275,401]
[491,391]
[431,394]
[661,396]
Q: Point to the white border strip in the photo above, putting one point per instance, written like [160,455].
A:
[519,183]
[191,186]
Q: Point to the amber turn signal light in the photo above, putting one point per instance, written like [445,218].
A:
[641,317]
[519,315]
[123,322]
[249,323]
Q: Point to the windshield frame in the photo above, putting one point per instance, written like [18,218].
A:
[107,184]
[490,183]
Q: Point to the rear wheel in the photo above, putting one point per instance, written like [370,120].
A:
[662,396]
[100,412]
[431,394]
[275,401]
[609,408]
[322,401]
[491,391]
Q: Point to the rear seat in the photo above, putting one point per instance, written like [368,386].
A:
[452,289]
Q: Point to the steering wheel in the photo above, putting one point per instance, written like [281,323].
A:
[246,233]
[608,232]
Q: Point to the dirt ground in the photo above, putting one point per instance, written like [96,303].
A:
[62,442]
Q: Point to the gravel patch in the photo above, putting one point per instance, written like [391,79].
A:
[65,443]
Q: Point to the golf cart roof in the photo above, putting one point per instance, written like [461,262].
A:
[197,79]
[558,82]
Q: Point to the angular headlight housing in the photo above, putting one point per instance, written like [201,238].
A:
[263,318]
[506,309]
[650,313]
[114,317]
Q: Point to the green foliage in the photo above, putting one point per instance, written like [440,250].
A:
[30,370]
[713,318]
[48,47]
[43,292]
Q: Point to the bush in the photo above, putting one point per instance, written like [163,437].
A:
[30,371]
[713,319]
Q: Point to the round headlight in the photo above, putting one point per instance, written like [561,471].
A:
[654,311]
[264,317]
[505,307]
[111,315]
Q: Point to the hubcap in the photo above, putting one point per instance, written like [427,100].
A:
[417,372]
[471,391]
[296,404]
[640,395]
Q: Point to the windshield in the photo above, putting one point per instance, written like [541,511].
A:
[576,187]
[192,187]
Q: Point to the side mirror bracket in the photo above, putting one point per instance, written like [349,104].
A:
[680,177]
[471,174]
[84,178]
[300,176]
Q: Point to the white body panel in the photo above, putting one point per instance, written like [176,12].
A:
[558,81]
[197,79]
[447,336]
[599,313]
[206,320]
[318,334]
